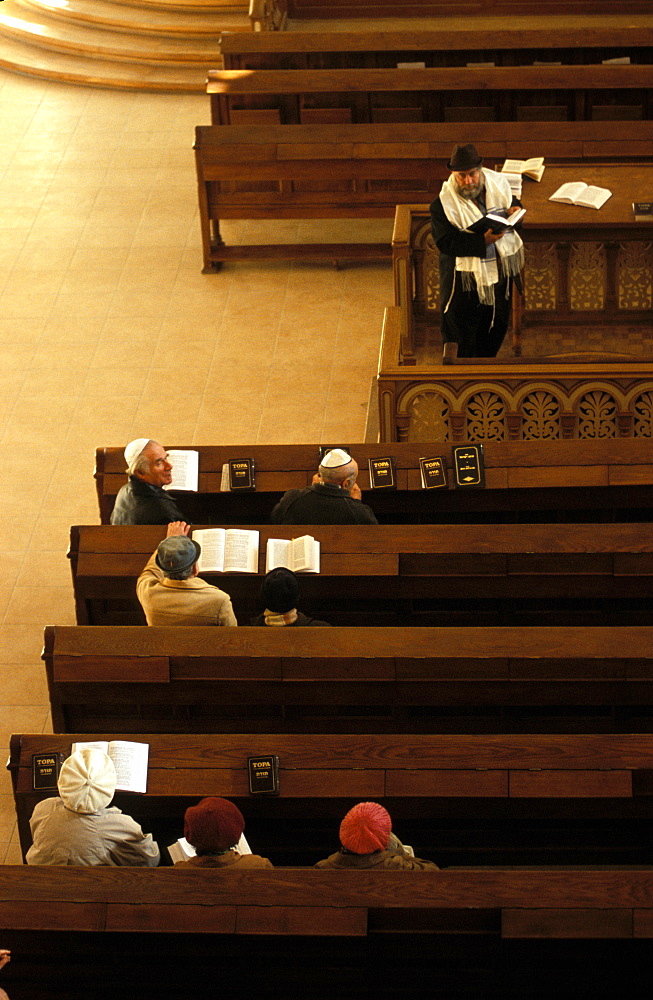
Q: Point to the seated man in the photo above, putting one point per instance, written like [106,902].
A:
[213,827]
[80,828]
[170,591]
[334,497]
[368,842]
[279,593]
[143,500]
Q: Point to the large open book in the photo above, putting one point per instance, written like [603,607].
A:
[185,470]
[181,850]
[227,550]
[129,759]
[579,193]
[301,555]
[530,168]
[498,220]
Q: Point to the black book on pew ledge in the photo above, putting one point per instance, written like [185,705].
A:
[263,774]
[643,211]
[45,770]
[469,466]
[383,474]
[238,476]
[433,472]
[498,220]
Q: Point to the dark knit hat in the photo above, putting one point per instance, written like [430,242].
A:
[177,554]
[280,590]
[366,828]
[464,157]
[213,825]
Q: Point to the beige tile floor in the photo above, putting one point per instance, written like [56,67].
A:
[108,331]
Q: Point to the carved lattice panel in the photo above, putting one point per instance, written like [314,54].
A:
[486,417]
[587,276]
[635,275]
[431,276]
[428,418]
[540,268]
[597,415]
[642,409]
[540,416]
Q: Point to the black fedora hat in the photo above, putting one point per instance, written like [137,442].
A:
[465,157]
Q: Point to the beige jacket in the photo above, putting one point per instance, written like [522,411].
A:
[107,837]
[182,602]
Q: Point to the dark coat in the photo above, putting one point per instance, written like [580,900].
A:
[141,503]
[321,503]
[478,329]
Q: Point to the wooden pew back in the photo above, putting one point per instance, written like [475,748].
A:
[609,475]
[520,799]
[476,679]
[571,93]
[548,574]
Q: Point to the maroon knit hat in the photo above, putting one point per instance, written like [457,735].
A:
[366,828]
[213,825]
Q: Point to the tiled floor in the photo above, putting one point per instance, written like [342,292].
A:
[108,331]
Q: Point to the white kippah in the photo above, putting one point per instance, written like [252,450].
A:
[133,450]
[335,458]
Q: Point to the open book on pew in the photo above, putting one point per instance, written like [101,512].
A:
[235,550]
[185,470]
[181,850]
[498,220]
[129,759]
[301,555]
[529,168]
[579,193]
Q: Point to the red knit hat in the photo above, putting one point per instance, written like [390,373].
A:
[366,828]
[213,825]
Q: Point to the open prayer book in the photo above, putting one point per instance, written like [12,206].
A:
[301,555]
[227,550]
[185,470]
[129,759]
[530,168]
[579,193]
[498,220]
[181,850]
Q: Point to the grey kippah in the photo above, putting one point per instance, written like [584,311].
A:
[177,554]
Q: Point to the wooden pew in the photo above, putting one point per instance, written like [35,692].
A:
[601,479]
[546,574]
[445,680]
[512,42]
[571,93]
[343,9]
[370,933]
[279,171]
[521,799]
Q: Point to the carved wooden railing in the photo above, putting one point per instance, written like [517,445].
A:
[510,400]
[571,279]
[268,15]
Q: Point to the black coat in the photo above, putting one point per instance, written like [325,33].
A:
[321,503]
[141,503]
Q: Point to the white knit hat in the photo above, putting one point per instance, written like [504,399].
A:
[87,781]
[335,458]
[133,450]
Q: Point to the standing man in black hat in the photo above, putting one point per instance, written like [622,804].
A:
[477,269]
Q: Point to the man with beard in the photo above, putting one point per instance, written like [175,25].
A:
[477,269]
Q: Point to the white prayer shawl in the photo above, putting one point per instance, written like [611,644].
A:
[481,273]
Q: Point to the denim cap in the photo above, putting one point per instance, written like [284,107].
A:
[176,554]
